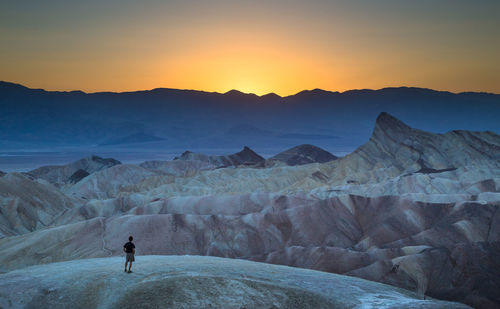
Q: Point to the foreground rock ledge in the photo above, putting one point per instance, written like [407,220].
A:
[195,282]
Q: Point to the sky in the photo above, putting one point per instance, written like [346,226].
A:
[253,46]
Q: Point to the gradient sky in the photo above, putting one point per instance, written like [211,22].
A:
[254,46]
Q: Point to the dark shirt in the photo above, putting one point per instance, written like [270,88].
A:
[129,247]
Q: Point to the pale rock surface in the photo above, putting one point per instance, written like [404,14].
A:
[62,174]
[195,282]
[179,168]
[27,205]
[108,182]
[361,236]
[398,160]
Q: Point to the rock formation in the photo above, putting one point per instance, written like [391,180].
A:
[178,167]
[27,205]
[246,157]
[400,149]
[78,175]
[303,154]
[409,208]
[195,282]
[74,171]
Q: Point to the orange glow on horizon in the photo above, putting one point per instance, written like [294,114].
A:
[255,47]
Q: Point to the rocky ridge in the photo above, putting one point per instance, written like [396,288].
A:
[74,171]
[28,205]
[246,157]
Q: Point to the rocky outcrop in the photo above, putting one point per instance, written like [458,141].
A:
[303,154]
[27,205]
[2,173]
[398,149]
[465,272]
[195,282]
[108,182]
[62,174]
[246,157]
[78,175]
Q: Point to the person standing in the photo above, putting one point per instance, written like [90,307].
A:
[129,249]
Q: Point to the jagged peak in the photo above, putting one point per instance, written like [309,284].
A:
[386,121]
[247,150]
[248,154]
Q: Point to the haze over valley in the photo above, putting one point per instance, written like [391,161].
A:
[39,127]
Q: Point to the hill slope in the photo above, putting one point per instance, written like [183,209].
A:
[303,154]
[194,282]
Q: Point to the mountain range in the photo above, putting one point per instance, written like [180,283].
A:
[32,119]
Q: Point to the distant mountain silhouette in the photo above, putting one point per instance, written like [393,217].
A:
[270,97]
[189,119]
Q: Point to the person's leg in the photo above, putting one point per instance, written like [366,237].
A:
[126,262]
[130,266]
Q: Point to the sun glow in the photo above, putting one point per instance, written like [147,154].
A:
[253,46]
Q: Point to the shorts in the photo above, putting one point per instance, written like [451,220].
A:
[130,257]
